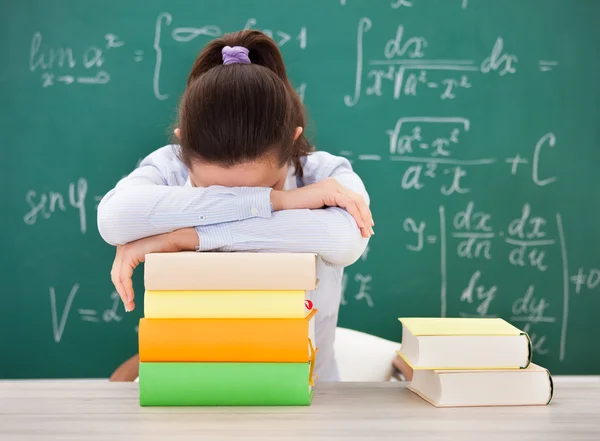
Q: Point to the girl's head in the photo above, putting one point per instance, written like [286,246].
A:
[240,120]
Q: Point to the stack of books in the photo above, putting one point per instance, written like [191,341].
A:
[472,362]
[227,329]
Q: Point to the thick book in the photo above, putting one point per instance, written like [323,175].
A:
[192,271]
[509,387]
[224,304]
[225,384]
[227,340]
[464,343]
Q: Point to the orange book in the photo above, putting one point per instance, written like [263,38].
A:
[227,340]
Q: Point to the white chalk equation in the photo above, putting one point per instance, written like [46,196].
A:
[361,284]
[71,200]
[406,71]
[64,66]
[108,315]
[186,34]
[431,150]
[59,319]
[43,205]
[62,312]
[50,60]
[524,241]
[586,281]
[528,243]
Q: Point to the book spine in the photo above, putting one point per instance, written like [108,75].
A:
[224,384]
[224,304]
[213,271]
[529,351]
[551,387]
[223,340]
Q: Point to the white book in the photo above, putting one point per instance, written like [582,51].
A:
[462,388]
[464,343]
[213,271]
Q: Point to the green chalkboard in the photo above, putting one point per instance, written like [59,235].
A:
[474,124]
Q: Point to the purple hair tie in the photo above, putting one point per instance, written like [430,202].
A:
[235,54]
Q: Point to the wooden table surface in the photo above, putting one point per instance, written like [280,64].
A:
[64,410]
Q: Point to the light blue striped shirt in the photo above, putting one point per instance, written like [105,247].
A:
[157,198]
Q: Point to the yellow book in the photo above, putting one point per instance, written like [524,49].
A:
[224,304]
[464,343]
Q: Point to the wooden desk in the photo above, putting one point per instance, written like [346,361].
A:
[98,410]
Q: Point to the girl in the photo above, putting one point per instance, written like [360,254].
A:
[242,178]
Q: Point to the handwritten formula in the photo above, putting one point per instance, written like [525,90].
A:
[90,68]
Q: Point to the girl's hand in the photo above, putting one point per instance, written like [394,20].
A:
[326,193]
[129,256]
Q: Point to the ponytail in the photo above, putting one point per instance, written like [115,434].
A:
[262,51]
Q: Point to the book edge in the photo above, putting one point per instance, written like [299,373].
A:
[516,331]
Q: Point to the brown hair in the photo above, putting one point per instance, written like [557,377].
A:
[230,114]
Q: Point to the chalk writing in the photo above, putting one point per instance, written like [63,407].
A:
[49,59]
[88,315]
[362,280]
[58,327]
[112,40]
[548,140]
[566,293]
[529,309]
[527,234]
[410,142]
[365,253]
[443,263]
[363,291]
[108,315]
[402,143]
[499,61]
[538,341]
[588,280]
[410,225]
[186,34]
[547,65]
[47,204]
[279,36]
[475,234]
[405,70]
[476,292]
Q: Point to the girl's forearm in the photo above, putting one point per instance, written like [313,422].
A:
[185,239]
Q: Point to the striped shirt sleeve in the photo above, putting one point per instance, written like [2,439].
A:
[332,232]
[149,201]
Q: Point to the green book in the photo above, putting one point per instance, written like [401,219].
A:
[225,384]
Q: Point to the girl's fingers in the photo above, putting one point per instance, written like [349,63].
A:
[126,275]
[365,212]
[350,205]
[363,208]
[115,276]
